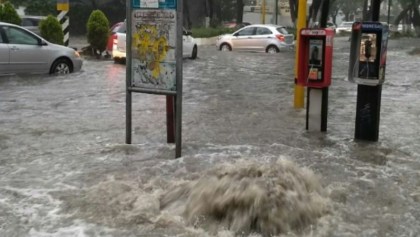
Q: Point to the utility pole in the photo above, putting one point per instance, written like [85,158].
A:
[299,99]
[389,10]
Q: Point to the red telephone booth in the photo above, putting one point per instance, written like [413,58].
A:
[315,57]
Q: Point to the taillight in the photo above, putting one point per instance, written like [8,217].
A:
[280,37]
[115,39]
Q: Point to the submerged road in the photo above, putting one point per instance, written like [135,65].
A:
[65,170]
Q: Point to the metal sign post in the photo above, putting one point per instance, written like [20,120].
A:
[63,6]
[154,59]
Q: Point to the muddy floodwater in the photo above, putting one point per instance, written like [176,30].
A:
[248,166]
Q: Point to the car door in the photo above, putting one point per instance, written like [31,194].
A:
[26,52]
[4,54]
[262,37]
[243,39]
[187,43]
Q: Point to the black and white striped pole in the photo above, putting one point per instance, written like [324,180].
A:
[63,7]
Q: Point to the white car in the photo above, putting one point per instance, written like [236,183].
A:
[267,38]
[189,47]
[345,26]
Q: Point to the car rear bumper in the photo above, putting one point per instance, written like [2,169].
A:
[118,54]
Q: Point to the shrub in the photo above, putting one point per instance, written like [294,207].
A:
[210,32]
[1,12]
[97,31]
[10,15]
[51,30]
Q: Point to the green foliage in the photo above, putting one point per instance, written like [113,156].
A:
[10,15]
[51,30]
[97,31]
[1,12]
[17,3]
[41,7]
[210,32]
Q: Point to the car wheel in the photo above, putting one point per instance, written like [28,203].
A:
[272,49]
[194,52]
[61,66]
[225,47]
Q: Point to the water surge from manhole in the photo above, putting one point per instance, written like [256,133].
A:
[248,197]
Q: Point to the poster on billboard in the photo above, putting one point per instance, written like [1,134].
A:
[153,46]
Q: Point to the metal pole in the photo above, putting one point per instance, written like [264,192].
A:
[178,97]
[299,95]
[324,13]
[128,98]
[376,9]
[170,119]
[389,10]
[369,101]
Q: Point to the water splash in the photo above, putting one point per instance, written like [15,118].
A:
[248,197]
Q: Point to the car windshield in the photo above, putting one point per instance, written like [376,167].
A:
[282,30]
[122,29]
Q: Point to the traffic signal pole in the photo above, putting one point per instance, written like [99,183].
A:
[299,98]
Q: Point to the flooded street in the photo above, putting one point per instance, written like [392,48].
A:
[65,169]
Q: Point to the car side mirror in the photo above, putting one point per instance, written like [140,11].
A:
[236,34]
[42,42]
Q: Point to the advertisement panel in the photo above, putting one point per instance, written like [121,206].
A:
[153,45]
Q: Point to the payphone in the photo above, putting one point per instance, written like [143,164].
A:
[368,53]
[315,57]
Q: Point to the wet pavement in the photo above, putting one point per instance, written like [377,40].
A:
[65,170]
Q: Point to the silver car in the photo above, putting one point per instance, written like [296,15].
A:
[268,38]
[22,51]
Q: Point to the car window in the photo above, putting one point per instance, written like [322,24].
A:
[282,30]
[122,29]
[263,31]
[246,31]
[18,36]
[116,28]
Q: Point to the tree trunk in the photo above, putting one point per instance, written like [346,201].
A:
[365,10]
[187,19]
[239,11]
[313,10]
[402,15]
[293,10]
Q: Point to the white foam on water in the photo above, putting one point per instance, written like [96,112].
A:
[246,197]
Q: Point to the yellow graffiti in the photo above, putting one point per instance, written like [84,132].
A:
[151,48]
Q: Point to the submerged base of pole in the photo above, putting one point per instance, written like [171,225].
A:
[317,109]
[368,112]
